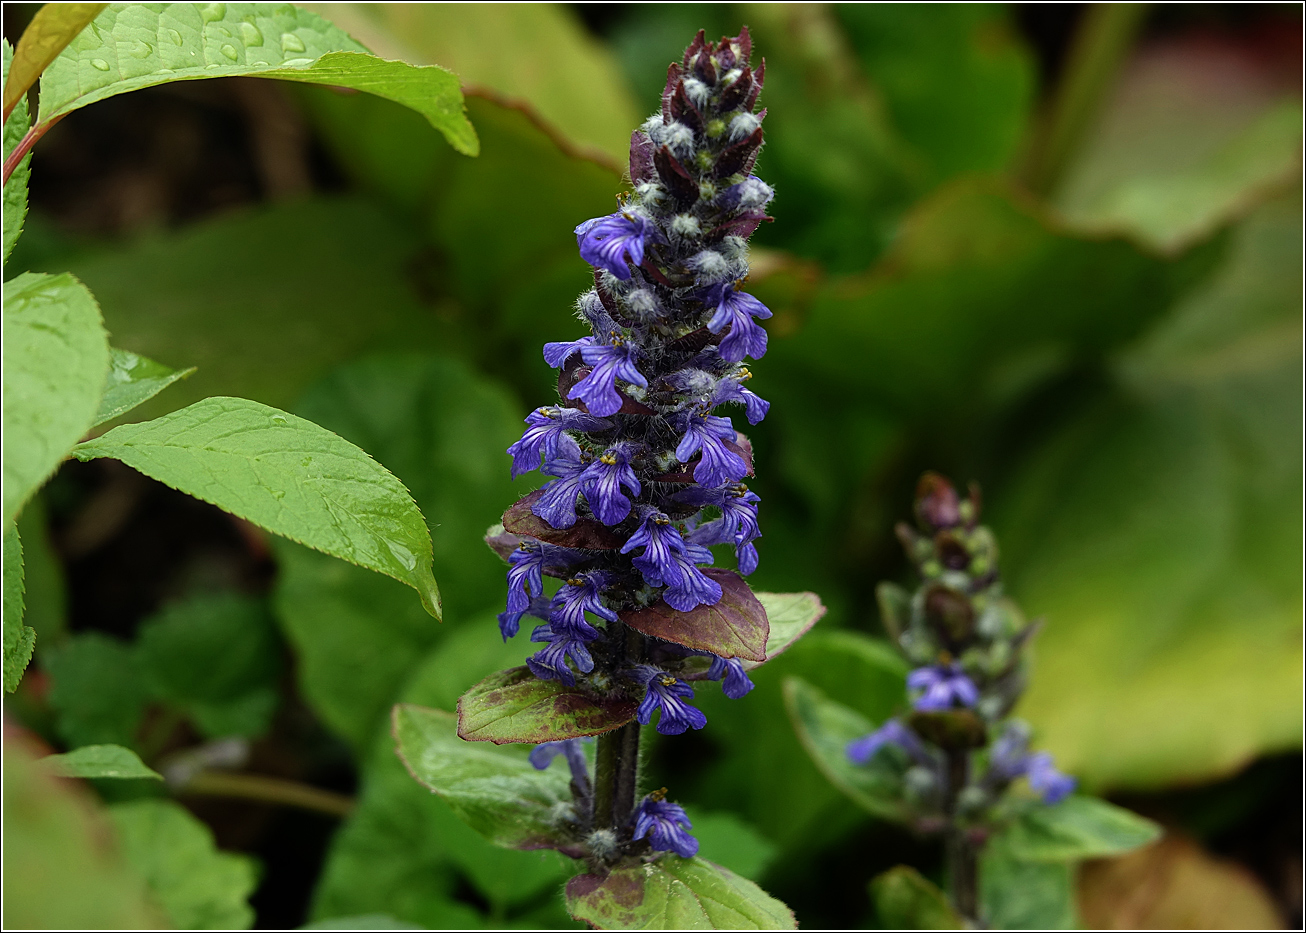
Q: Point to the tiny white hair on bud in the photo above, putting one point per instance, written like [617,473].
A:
[562,813]
[652,124]
[650,192]
[675,136]
[686,225]
[734,74]
[709,264]
[753,192]
[734,248]
[642,303]
[743,125]
[602,843]
[695,382]
[589,303]
[697,91]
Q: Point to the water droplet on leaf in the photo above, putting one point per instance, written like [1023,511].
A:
[291,42]
[175,36]
[213,12]
[278,493]
[230,52]
[250,33]
[99,64]
[279,419]
[403,555]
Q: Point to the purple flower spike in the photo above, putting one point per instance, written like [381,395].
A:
[1046,779]
[719,463]
[579,596]
[664,824]
[557,504]
[661,543]
[602,483]
[542,756]
[667,694]
[737,310]
[860,751]
[543,436]
[736,683]
[693,588]
[598,390]
[942,687]
[556,354]
[737,525]
[730,390]
[607,242]
[550,663]
[525,575]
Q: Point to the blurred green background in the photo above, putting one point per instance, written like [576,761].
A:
[1055,250]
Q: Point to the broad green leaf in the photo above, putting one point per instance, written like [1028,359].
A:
[789,616]
[55,359]
[496,790]
[1021,895]
[15,190]
[825,729]
[133,379]
[537,54]
[51,29]
[217,659]
[906,900]
[442,428]
[45,594]
[99,761]
[675,894]
[97,690]
[516,706]
[63,869]
[132,46]
[198,887]
[726,840]
[1189,141]
[1158,534]
[287,475]
[363,922]
[1077,828]
[19,639]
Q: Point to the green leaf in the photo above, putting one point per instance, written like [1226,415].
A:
[1182,149]
[825,729]
[675,894]
[217,659]
[198,887]
[19,639]
[133,379]
[1021,895]
[516,706]
[287,475]
[15,190]
[1077,828]
[52,27]
[789,617]
[905,900]
[1156,531]
[44,589]
[533,54]
[495,790]
[734,627]
[97,690]
[363,922]
[442,428]
[64,869]
[55,359]
[132,46]
[99,761]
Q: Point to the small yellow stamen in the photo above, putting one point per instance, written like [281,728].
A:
[608,459]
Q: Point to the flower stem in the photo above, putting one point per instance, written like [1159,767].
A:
[616,762]
[961,853]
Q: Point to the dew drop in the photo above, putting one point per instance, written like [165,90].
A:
[142,50]
[279,419]
[403,555]
[175,36]
[291,42]
[250,34]
[230,52]
[99,64]
[278,493]
[213,12]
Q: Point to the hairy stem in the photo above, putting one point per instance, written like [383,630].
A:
[605,778]
[961,853]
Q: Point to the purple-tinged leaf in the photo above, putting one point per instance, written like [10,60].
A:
[735,627]
[586,533]
[516,706]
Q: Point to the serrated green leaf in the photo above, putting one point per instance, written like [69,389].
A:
[790,616]
[51,29]
[825,728]
[198,887]
[1021,895]
[133,379]
[97,690]
[494,789]
[132,46]
[217,659]
[19,639]
[15,190]
[99,761]
[287,475]
[1077,828]
[675,894]
[64,870]
[516,706]
[56,355]
[906,900]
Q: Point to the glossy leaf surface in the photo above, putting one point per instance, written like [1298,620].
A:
[287,475]
[55,359]
[675,894]
[52,27]
[99,761]
[15,190]
[516,706]
[132,380]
